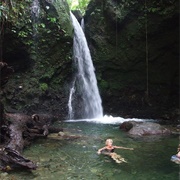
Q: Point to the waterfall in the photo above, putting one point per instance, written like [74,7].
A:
[35,11]
[84,98]
[35,8]
[72,90]
[82,24]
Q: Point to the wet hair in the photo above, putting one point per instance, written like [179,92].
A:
[108,140]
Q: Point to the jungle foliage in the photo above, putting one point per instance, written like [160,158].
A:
[78,5]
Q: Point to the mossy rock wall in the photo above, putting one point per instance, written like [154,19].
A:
[128,40]
[37,43]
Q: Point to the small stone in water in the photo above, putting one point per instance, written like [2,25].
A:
[61,134]
[4,174]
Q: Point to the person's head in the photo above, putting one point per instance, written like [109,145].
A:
[109,142]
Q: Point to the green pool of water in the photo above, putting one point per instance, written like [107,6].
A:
[76,158]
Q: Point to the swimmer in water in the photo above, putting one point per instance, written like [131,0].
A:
[178,152]
[176,158]
[109,150]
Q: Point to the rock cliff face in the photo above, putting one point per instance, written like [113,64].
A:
[135,49]
[37,42]
[134,46]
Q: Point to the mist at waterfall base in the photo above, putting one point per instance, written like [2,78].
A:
[84,99]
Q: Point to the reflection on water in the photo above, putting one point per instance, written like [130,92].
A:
[76,158]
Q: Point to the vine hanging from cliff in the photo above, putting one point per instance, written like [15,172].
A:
[3,17]
[147,54]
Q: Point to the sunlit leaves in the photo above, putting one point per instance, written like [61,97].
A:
[52,19]
[78,5]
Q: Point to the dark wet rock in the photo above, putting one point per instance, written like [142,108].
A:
[127,125]
[5,72]
[178,126]
[78,15]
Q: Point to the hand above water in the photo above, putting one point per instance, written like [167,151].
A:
[98,152]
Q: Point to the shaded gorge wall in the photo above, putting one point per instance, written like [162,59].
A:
[135,49]
[37,43]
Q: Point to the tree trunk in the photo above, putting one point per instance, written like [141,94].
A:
[18,130]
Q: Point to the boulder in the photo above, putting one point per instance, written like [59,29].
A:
[144,128]
[148,129]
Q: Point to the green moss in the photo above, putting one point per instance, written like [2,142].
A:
[104,84]
[43,86]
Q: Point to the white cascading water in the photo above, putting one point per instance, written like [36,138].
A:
[82,24]
[85,83]
[35,11]
[35,8]
[70,108]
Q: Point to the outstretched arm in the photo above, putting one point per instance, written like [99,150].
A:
[99,151]
[120,147]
